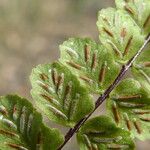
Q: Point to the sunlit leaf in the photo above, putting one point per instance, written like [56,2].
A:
[139,10]
[119,33]
[58,93]
[90,62]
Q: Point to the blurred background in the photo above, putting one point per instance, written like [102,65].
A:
[30,34]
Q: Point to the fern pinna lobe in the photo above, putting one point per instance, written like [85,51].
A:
[94,63]
[132,107]
[60,96]
[21,127]
[102,133]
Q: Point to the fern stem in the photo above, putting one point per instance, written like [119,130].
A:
[105,95]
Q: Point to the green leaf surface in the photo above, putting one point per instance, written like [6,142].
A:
[21,127]
[129,105]
[141,69]
[58,93]
[90,62]
[139,10]
[119,33]
[101,133]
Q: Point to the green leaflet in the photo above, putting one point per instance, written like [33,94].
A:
[59,94]
[129,105]
[21,127]
[139,10]
[61,90]
[119,33]
[90,62]
[141,69]
[101,133]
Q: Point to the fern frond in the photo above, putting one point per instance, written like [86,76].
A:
[21,127]
[62,89]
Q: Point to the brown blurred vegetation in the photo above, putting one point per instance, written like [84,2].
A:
[31,31]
